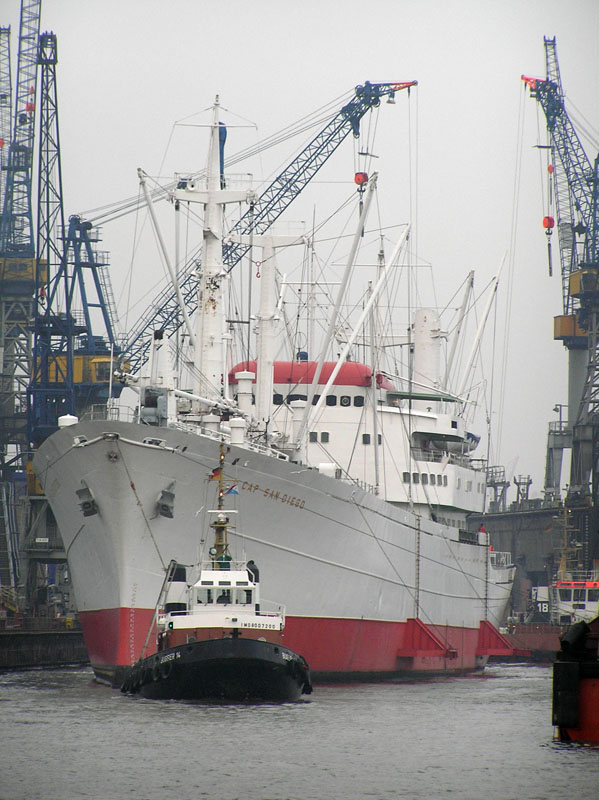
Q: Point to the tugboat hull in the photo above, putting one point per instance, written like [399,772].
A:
[576,684]
[221,669]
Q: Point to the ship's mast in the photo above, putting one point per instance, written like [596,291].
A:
[221,557]
[210,355]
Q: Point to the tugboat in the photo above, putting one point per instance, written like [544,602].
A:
[214,638]
[576,684]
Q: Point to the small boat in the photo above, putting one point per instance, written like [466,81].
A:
[576,684]
[215,639]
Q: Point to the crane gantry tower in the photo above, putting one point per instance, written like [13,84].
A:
[17,241]
[575,181]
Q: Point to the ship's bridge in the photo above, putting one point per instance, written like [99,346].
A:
[223,587]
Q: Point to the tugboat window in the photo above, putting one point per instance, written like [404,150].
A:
[205,596]
[593,595]
[565,595]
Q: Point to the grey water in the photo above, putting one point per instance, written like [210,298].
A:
[64,736]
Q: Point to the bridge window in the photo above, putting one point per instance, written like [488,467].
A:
[205,596]
[593,595]
[406,477]
[315,399]
[580,595]
[365,438]
[415,477]
[277,399]
[358,401]
[313,436]
[324,437]
[444,480]
[565,595]
[331,400]
[424,479]
[243,596]
[433,480]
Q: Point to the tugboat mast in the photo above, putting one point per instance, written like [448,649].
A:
[221,557]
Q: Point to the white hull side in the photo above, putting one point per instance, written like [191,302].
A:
[325,547]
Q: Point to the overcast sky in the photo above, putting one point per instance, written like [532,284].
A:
[128,69]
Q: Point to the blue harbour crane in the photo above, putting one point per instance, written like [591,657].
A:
[51,360]
[17,246]
[71,365]
[163,312]
[575,188]
[17,282]
[5,107]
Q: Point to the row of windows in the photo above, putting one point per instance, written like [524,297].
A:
[366,438]
[345,400]
[324,437]
[425,479]
[480,487]
[580,595]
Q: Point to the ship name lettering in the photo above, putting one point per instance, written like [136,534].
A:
[250,487]
[273,494]
[168,657]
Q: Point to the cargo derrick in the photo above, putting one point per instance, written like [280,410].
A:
[163,313]
[576,191]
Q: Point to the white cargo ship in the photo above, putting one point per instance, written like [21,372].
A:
[353,488]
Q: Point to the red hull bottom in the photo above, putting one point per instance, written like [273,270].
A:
[333,648]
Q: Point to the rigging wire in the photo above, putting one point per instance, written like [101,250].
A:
[112,211]
[519,147]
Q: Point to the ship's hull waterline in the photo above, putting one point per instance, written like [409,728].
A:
[354,572]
